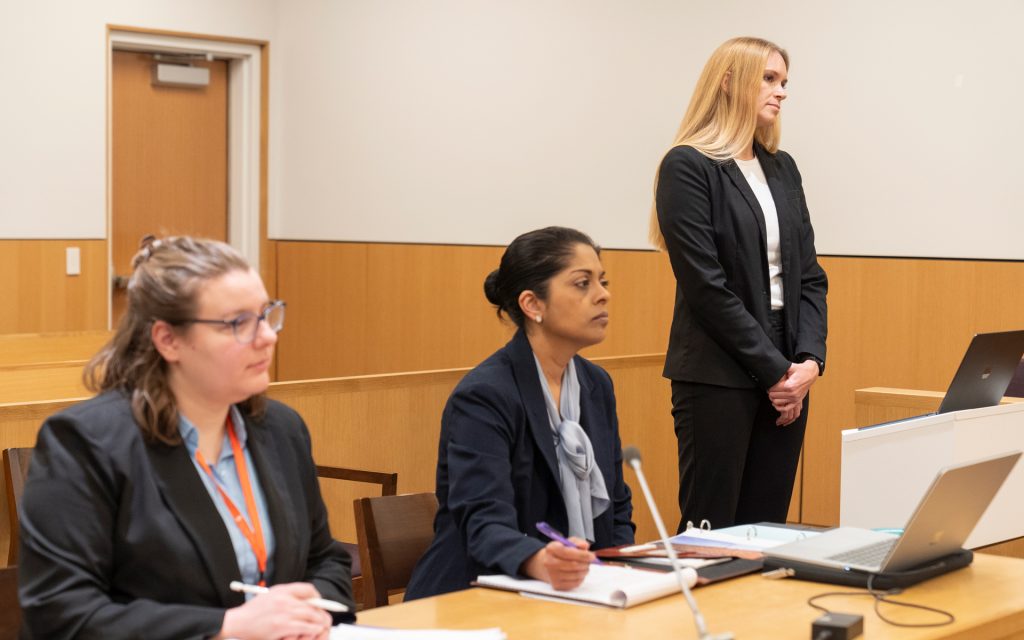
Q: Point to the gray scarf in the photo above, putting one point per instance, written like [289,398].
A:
[582,484]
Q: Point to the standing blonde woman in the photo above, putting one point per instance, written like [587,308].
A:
[748,331]
[144,503]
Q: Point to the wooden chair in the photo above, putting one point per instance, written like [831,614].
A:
[16,461]
[388,487]
[10,609]
[393,533]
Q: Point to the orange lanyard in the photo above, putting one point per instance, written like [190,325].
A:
[253,534]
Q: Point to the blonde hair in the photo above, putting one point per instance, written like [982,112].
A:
[164,285]
[722,123]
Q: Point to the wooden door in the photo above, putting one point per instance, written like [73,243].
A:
[169,160]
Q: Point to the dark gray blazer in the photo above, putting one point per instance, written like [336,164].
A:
[497,472]
[119,537]
[715,233]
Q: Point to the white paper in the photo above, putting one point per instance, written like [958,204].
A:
[748,537]
[357,632]
[610,585]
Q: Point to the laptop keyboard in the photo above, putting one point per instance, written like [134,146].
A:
[869,555]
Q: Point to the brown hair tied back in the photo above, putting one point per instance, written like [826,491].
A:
[164,285]
[147,245]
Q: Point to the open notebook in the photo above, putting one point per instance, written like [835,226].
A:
[608,585]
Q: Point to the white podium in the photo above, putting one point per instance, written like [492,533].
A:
[887,469]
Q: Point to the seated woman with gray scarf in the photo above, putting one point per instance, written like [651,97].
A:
[531,434]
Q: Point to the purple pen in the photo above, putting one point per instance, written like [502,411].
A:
[557,536]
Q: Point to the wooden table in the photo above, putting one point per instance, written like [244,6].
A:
[987,599]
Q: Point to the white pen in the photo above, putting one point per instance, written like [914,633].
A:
[639,547]
[322,603]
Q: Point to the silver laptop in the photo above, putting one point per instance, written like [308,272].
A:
[943,519]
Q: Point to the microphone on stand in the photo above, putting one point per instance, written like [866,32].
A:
[631,456]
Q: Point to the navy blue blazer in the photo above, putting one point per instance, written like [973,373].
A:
[714,231]
[119,537]
[497,472]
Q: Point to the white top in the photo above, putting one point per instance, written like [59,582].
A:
[751,170]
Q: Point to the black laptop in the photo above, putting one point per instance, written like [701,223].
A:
[983,376]
[985,372]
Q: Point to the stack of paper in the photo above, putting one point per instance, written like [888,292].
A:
[609,585]
[751,537]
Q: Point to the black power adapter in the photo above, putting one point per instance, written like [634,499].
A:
[837,626]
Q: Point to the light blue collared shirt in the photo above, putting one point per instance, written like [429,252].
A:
[227,476]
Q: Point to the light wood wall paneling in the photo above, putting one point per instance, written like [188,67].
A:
[40,298]
[357,308]
[36,348]
[325,288]
[41,382]
[883,404]
[372,308]
[383,423]
[1011,548]
[644,403]
[643,295]
[375,308]
[876,405]
[901,323]
[392,423]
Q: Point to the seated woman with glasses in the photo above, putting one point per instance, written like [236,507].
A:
[145,503]
[531,435]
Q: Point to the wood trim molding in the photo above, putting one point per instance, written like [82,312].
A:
[185,34]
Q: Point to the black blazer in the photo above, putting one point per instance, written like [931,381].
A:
[497,472]
[715,233]
[119,538]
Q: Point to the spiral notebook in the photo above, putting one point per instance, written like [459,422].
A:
[607,585]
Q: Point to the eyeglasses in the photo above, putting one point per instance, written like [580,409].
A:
[246,326]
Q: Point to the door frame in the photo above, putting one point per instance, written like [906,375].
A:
[247,131]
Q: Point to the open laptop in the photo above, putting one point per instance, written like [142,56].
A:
[943,519]
[985,372]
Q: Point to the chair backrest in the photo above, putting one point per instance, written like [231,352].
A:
[388,481]
[393,533]
[388,487]
[10,609]
[16,461]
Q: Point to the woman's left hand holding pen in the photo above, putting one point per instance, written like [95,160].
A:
[283,611]
[560,566]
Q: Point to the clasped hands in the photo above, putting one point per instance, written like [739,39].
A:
[787,395]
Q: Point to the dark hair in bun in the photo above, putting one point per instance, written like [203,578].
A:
[528,264]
